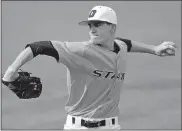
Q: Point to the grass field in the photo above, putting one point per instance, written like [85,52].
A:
[151,96]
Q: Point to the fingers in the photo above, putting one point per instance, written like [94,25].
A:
[171,44]
[168,43]
[166,54]
[174,45]
[171,47]
[168,49]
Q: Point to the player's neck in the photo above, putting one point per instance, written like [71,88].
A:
[109,44]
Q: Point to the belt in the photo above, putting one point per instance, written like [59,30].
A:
[92,124]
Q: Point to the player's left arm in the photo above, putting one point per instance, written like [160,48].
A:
[166,48]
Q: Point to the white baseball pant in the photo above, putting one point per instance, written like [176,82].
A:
[77,123]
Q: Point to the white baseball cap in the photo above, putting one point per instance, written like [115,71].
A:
[101,13]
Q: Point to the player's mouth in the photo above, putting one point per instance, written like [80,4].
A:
[94,35]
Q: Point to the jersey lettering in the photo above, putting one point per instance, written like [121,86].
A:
[108,74]
[97,73]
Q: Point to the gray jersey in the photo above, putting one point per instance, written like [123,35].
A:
[95,77]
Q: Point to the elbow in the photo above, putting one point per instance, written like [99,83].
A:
[43,48]
[34,48]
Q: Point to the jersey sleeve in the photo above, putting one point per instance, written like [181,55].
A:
[127,42]
[43,48]
[68,51]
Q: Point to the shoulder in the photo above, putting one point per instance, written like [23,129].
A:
[120,42]
[124,42]
[74,47]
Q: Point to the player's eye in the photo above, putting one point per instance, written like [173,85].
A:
[96,24]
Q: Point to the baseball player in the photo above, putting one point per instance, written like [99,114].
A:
[95,69]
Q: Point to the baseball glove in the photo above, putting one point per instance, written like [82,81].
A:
[25,86]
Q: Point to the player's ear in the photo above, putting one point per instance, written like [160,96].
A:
[113,28]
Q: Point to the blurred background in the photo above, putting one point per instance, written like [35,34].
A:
[151,97]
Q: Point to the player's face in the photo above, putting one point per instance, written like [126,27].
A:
[99,31]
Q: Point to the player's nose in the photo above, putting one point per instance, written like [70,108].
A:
[93,30]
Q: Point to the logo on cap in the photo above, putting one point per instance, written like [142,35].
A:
[92,13]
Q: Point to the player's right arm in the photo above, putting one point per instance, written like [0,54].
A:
[31,50]
[64,52]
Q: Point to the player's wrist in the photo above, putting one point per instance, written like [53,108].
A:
[10,75]
[151,49]
[154,50]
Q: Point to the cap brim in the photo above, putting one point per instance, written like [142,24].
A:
[83,22]
[86,22]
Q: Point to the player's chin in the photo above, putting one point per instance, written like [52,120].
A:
[96,40]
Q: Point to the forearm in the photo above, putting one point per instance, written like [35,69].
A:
[31,51]
[25,56]
[142,48]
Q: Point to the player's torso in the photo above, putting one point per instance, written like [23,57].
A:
[94,82]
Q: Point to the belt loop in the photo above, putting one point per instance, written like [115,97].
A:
[73,120]
[113,121]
